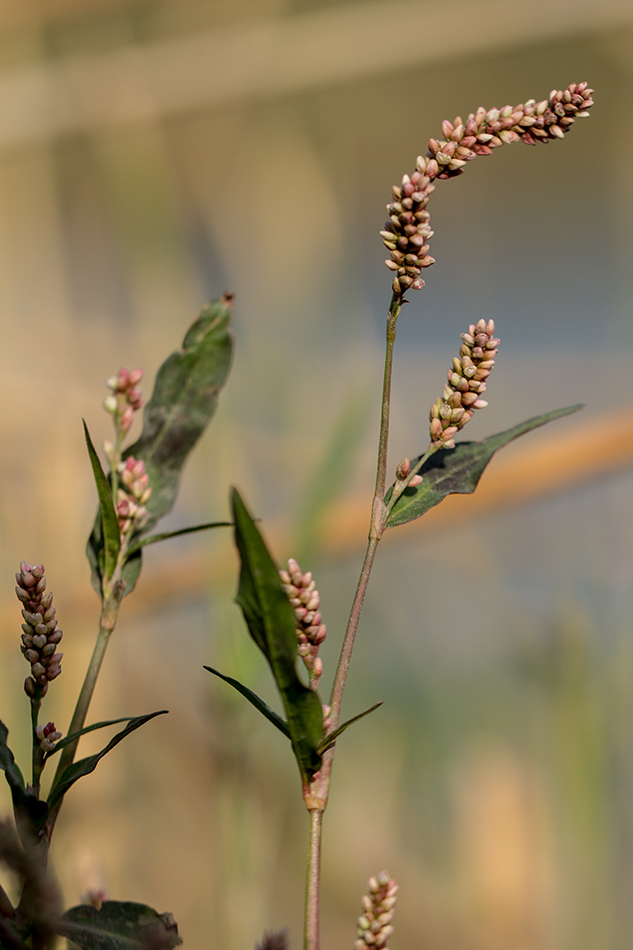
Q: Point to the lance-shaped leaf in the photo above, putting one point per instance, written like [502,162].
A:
[68,740]
[182,404]
[166,535]
[119,925]
[271,623]
[255,701]
[84,766]
[458,470]
[106,552]
[25,803]
[327,741]
[7,762]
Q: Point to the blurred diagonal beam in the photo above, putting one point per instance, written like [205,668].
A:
[280,56]
[532,469]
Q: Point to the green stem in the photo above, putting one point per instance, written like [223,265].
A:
[316,795]
[36,752]
[109,614]
[311,936]
[378,519]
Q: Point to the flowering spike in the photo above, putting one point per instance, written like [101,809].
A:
[40,631]
[301,591]
[47,736]
[374,926]
[124,400]
[466,382]
[407,231]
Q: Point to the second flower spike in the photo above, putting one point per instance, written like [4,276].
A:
[466,383]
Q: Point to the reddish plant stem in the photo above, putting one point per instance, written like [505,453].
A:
[316,794]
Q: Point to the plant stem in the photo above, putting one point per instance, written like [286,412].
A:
[109,613]
[36,755]
[316,795]
[378,518]
[313,881]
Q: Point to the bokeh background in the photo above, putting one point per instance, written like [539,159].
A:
[154,154]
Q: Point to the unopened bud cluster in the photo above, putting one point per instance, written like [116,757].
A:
[466,382]
[47,736]
[407,232]
[374,925]
[402,474]
[126,398]
[304,597]
[40,633]
[133,495]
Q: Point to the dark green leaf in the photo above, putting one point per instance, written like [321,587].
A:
[82,732]
[119,925]
[182,404]
[153,538]
[9,939]
[253,698]
[106,548]
[271,623]
[25,803]
[7,762]
[89,764]
[458,470]
[327,741]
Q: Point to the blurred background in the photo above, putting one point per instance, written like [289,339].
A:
[154,154]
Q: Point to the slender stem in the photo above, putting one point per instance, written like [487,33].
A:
[316,794]
[381,469]
[313,881]
[109,614]
[378,519]
[36,755]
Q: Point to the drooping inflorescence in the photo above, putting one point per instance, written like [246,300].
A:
[40,633]
[407,232]
[374,926]
[466,383]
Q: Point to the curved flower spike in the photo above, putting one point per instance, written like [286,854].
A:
[407,232]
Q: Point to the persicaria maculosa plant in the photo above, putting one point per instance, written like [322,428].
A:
[445,467]
[282,608]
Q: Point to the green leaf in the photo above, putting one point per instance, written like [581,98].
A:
[7,762]
[458,470]
[106,551]
[82,732]
[271,623]
[119,925]
[153,538]
[182,404]
[25,803]
[253,698]
[84,766]
[327,741]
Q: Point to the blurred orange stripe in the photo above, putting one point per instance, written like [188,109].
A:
[543,464]
[527,470]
